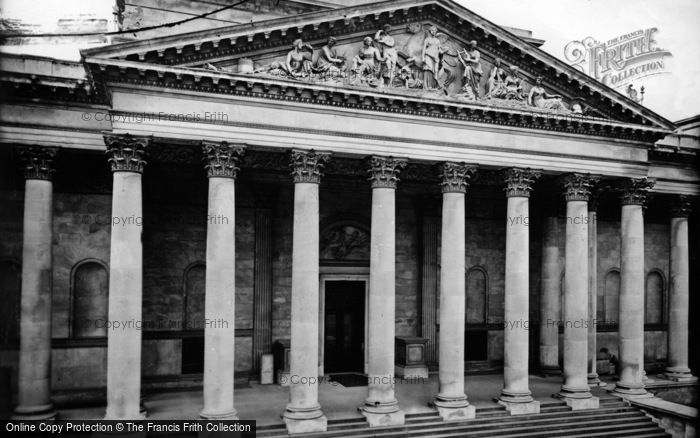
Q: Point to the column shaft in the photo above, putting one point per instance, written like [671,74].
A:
[125,278]
[381,407]
[593,379]
[220,299]
[451,400]
[516,396]
[125,298]
[678,297]
[34,380]
[550,298]
[303,413]
[631,319]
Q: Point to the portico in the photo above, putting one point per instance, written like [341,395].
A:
[432,202]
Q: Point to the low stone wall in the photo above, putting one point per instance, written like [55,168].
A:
[676,419]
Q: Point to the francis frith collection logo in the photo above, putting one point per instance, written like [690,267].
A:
[621,60]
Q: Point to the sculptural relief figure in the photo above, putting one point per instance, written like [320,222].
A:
[513,85]
[366,63]
[389,54]
[435,72]
[496,86]
[329,62]
[408,76]
[541,99]
[471,59]
[298,62]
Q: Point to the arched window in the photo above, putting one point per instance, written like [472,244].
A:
[89,289]
[476,333]
[193,296]
[611,297]
[10,287]
[654,298]
[477,296]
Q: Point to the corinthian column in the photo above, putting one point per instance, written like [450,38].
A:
[126,156]
[220,289]
[631,320]
[303,413]
[516,396]
[678,295]
[575,391]
[34,386]
[381,407]
[451,401]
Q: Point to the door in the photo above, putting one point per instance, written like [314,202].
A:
[344,327]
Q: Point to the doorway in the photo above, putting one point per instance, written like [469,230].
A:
[344,325]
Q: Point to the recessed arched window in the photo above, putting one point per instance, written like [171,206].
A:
[611,297]
[654,298]
[193,296]
[10,287]
[477,296]
[89,292]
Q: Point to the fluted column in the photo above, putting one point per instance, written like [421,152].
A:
[631,319]
[34,380]
[593,379]
[550,297]
[126,157]
[575,390]
[678,302]
[516,396]
[451,401]
[381,407]
[220,285]
[303,413]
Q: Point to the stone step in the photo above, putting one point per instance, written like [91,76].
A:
[614,420]
[516,424]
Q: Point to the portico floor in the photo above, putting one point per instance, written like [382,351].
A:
[265,403]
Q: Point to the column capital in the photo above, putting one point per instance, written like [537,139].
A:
[681,206]
[578,186]
[519,181]
[634,191]
[384,171]
[126,152]
[37,161]
[456,176]
[307,166]
[220,158]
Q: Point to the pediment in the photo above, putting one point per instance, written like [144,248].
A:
[262,50]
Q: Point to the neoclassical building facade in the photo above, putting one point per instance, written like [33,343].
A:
[336,182]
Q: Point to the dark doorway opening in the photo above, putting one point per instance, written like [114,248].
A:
[476,345]
[344,327]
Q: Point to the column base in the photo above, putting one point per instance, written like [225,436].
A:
[519,403]
[594,380]
[679,374]
[630,390]
[225,415]
[579,400]
[305,420]
[383,414]
[41,412]
[454,408]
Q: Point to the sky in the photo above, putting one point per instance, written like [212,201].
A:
[674,95]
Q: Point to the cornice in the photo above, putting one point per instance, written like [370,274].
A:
[361,98]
